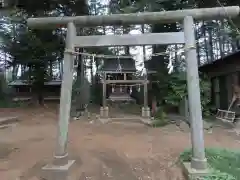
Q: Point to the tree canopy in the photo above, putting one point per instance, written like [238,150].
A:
[39,53]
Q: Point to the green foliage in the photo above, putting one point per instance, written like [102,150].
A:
[5,94]
[160,118]
[33,50]
[96,90]
[224,163]
[130,108]
[81,93]
[3,87]
[205,90]
[177,90]
[36,50]
[8,103]
[37,8]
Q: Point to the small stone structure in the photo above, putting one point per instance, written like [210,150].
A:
[118,73]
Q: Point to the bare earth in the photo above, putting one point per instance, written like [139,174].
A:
[117,151]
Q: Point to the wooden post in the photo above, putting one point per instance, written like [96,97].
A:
[66,94]
[145,108]
[104,91]
[125,76]
[145,92]
[186,109]
[199,161]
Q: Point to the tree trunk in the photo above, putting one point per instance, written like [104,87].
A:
[51,69]
[221,39]
[91,71]
[205,41]
[198,47]
[126,30]
[40,99]
[211,44]
[60,63]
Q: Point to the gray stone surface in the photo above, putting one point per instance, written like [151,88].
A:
[147,121]
[8,120]
[183,122]
[193,89]
[66,93]
[130,39]
[136,18]
[56,172]
[207,125]
[104,120]
[193,174]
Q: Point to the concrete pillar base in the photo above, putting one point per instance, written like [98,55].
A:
[146,112]
[60,160]
[193,174]
[104,120]
[199,164]
[57,172]
[147,121]
[104,112]
[104,115]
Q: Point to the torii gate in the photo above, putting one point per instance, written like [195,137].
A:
[199,162]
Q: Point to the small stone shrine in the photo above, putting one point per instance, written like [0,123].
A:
[117,81]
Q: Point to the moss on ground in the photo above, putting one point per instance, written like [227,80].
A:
[225,163]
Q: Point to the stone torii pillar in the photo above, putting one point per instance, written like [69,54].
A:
[195,111]
[104,111]
[66,93]
[59,169]
[145,109]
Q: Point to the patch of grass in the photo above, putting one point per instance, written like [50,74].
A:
[10,104]
[160,119]
[131,108]
[225,163]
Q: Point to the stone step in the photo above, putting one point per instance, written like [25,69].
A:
[8,120]
[8,126]
[130,120]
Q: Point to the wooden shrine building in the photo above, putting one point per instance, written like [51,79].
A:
[120,69]
[225,75]
[118,76]
[22,90]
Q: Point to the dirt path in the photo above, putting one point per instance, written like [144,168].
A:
[128,151]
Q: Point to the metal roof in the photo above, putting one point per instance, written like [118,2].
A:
[229,59]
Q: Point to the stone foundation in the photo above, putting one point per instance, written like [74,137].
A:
[146,112]
[193,174]
[57,172]
[104,112]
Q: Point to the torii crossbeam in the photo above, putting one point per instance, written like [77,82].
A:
[136,18]
[187,37]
